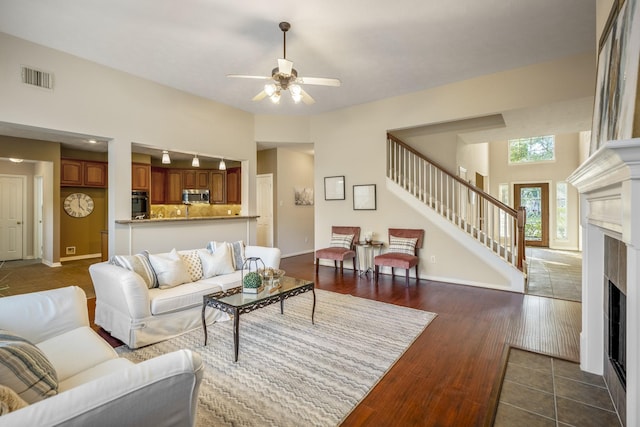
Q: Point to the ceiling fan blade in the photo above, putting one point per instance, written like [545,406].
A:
[321,81]
[242,76]
[306,98]
[259,97]
[285,66]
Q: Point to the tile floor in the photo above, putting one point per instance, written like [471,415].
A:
[554,273]
[540,390]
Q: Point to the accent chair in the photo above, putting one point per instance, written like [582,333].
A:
[402,251]
[341,248]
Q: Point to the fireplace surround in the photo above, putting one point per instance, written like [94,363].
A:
[609,187]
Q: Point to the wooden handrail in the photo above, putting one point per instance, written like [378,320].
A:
[497,225]
[485,195]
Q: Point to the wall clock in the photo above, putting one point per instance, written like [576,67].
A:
[78,205]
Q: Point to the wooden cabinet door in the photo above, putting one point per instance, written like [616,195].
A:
[158,177]
[174,186]
[217,189]
[202,179]
[189,179]
[71,172]
[140,176]
[233,186]
[95,174]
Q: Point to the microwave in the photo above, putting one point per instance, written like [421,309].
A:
[195,196]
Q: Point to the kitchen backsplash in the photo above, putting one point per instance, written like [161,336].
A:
[195,210]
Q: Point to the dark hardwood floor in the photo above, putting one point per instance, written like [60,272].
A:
[450,376]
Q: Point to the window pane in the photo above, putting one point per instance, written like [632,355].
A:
[561,211]
[534,149]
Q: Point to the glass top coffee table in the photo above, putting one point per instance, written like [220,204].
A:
[235,303]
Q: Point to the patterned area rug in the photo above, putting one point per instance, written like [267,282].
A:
[290,372]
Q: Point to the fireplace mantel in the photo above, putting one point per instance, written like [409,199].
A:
[609,187]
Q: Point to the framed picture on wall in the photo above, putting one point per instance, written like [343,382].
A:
[617,75]
[334,187]
[364,197]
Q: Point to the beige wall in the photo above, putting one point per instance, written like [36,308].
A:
[351,142]
[90,99]
[296,223]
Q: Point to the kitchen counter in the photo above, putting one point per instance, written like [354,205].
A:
[162,234]
[183,219]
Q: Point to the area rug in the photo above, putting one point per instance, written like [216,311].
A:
[290,372]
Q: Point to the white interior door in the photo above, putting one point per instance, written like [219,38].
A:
[38,203]
[11,218]
[264,205]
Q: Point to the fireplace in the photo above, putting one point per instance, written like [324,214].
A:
[618,333]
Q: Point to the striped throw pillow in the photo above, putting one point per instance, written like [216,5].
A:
[341,240]
[138,263]
[402,245]
[237,251]
[25,369]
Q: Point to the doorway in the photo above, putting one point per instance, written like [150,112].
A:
[12,189]
[535,198]
[264,207]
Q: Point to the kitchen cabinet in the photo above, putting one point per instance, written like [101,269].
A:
[140,176]
[158,186]
[217,190]
[71,172]
[192,178]
[83,173]
[173,193]
[234,188]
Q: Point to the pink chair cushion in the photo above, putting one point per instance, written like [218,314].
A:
[338,254]
[396,260]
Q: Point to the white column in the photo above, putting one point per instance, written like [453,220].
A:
[592,335]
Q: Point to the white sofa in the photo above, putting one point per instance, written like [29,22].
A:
[95,386]
[139,316]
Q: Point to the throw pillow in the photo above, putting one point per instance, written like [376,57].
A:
[194,266]
[219,262]
[138,263]
[237,251]
[170,269]
[341,240]
[10,401]
[25,369]
[402,245]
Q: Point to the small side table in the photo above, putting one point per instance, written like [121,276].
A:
[365,253]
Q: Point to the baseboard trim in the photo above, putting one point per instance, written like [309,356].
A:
[297,253]
[77,257]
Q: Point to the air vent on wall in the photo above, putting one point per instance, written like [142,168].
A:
[31,76]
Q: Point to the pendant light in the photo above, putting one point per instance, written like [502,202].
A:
[222,166]
[195,162]
[165,157]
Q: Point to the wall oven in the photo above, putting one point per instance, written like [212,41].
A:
[139,205]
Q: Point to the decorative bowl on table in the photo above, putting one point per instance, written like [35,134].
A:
[271,276]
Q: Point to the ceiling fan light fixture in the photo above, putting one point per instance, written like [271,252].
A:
[275,98]
[195,162]
[165,157]
[296,97]
[222,165]
[270,89]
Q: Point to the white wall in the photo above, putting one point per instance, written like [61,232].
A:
[94,100]
[351,142]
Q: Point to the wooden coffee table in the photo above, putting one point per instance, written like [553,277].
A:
[235,303]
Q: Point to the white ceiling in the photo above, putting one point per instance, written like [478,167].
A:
[378,49]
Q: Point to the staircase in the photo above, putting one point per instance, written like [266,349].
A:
[488,221]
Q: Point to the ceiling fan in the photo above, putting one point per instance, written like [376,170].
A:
[285,77]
